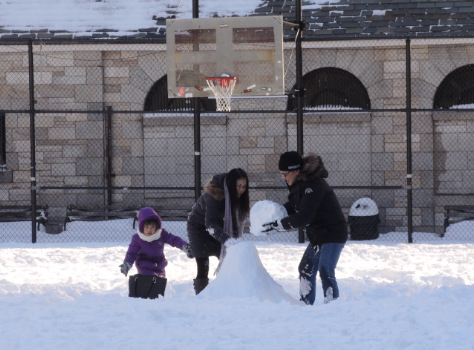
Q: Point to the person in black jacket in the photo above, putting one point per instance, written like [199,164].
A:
[218,214]
[313,206]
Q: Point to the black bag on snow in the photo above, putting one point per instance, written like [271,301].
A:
[146,286]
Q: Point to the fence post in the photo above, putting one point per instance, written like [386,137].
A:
[32,140]
[197,127]
[108,155]
[409,155]
[299,92]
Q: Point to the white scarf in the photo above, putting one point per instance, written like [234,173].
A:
[150,238]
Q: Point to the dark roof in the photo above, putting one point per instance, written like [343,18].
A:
[335,19]
[380,18]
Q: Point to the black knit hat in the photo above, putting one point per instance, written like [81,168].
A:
[290,161]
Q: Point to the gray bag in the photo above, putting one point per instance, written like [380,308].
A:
[146,286]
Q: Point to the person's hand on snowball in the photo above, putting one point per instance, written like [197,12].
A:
[273,225]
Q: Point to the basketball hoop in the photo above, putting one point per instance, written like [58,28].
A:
[222,88]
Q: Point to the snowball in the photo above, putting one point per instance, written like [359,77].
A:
[263,212]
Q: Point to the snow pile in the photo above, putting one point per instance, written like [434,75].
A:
[242,275]
[364,207]
[263,212]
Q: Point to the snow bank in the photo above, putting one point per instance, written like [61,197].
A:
[242,275]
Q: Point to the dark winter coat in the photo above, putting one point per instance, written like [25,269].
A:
[149,257]
[205,224]
[312,205]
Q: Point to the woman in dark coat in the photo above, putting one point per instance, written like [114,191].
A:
[218,214]
[313,206]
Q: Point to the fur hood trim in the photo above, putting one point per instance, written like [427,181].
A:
[145,214]
[215,187]
[154,237]
[313,167]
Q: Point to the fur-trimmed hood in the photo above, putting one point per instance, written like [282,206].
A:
[313,167]
[215,187]
[146,214]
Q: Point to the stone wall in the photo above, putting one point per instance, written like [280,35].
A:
[366,153]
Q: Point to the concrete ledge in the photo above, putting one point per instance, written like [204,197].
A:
[170,119]
[458,114]
[331,117]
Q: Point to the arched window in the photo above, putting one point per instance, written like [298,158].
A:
[157,100]
[456,89]
[332,87]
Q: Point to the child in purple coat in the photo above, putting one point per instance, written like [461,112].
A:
[146,247]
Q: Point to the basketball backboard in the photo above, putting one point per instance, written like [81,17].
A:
[248,48]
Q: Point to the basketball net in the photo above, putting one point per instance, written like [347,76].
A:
[222,88]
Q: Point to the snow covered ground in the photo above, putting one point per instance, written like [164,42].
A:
[71,295]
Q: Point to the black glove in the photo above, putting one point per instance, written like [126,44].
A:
[223,238]
[187,249]
[274,225]
[125,267]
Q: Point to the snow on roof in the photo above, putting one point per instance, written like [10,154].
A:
[122,15]
[50,19]
[119,18]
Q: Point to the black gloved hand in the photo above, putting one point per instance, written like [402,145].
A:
[274,225]
[125,267]
[187,249]
[223,238]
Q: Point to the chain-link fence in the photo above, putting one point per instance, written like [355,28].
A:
[89,126]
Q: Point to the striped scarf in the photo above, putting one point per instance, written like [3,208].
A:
[228,226]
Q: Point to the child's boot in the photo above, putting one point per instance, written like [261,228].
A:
[199,284]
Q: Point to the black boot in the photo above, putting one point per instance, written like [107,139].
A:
[199,284]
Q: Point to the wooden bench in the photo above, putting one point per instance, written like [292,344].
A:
[74,213]
[14,213]
[457,213]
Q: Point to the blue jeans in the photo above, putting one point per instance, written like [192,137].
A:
[324,261]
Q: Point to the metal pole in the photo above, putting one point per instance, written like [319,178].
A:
[299,78]
[108,151]
[3,154]
[32,141]
[197,126]
[409,155]
[299,91]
